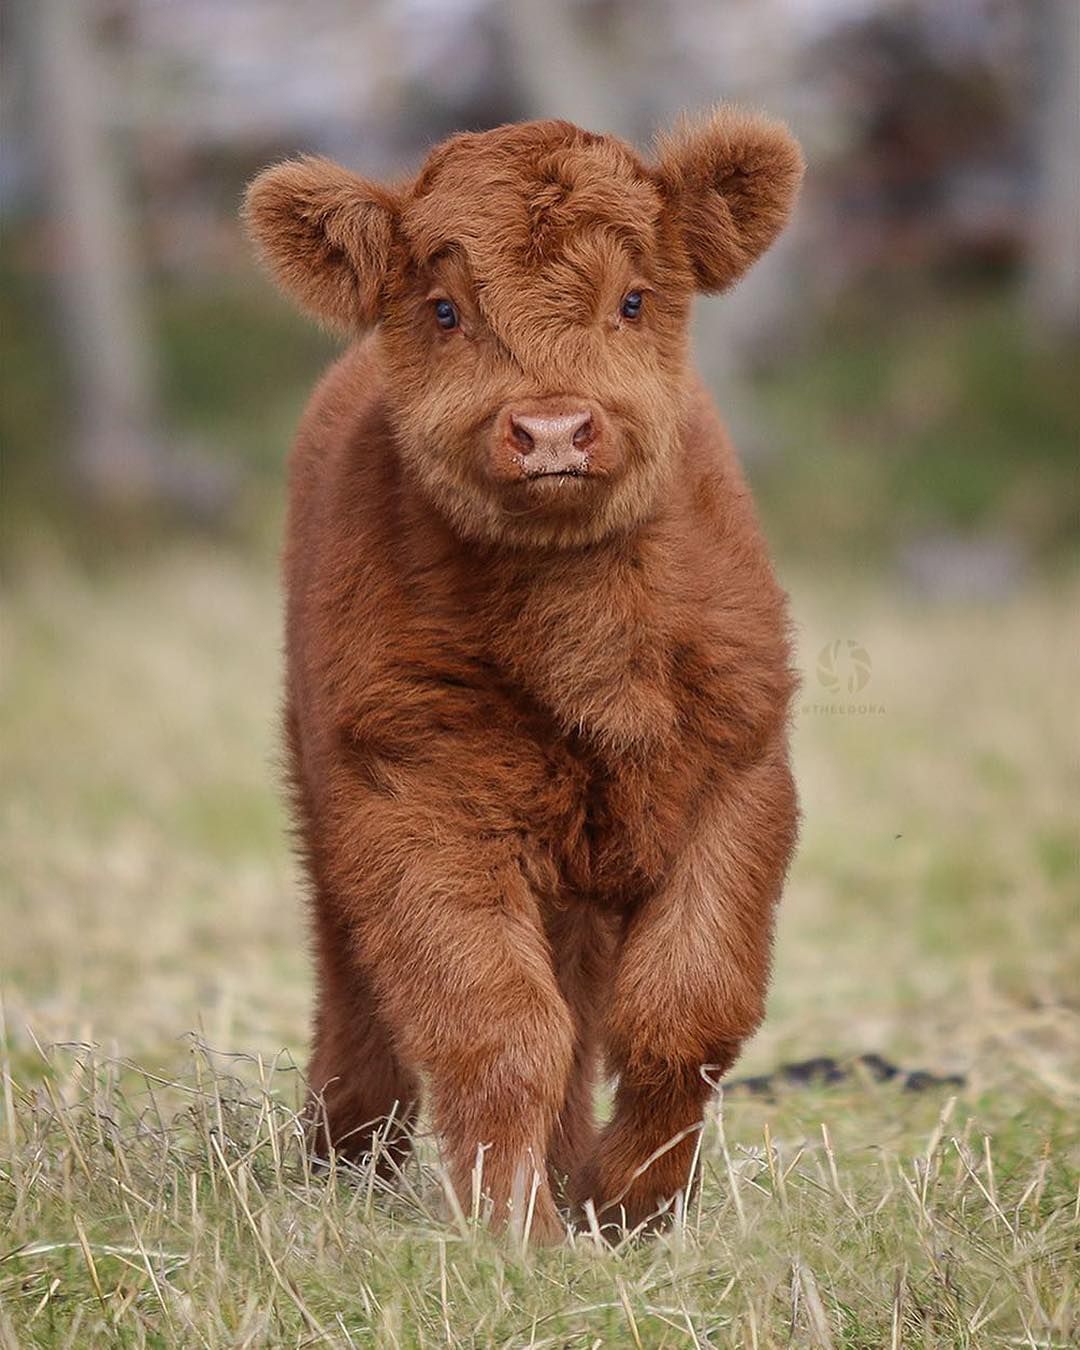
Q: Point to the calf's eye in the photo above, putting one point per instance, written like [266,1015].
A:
[446,316]
[631,305]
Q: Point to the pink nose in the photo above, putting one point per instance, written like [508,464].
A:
[553,444]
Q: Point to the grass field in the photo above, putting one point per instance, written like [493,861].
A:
[155,991]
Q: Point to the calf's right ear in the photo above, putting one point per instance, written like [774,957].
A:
[325,236]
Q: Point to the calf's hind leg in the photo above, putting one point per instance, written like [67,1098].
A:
[582,942]
[360,1088]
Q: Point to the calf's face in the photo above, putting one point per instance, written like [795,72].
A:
[532,288]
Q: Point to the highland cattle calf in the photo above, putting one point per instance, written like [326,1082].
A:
[538,668]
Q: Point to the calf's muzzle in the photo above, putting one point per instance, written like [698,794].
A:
[549,438]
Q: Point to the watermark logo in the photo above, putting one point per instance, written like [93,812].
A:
[844,669]
[843,666]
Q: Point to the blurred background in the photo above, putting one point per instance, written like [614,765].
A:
[900,372]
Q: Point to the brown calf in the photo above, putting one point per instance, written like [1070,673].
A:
[538,668]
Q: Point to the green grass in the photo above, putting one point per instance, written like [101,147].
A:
[932,411]
[234,367]
[238,366]
[156,989]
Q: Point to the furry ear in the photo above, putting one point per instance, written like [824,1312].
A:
[731,178]
[325,236]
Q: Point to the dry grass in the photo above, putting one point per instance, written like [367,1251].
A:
[152,1190]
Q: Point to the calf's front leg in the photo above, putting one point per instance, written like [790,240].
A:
[465,980]
[689,988]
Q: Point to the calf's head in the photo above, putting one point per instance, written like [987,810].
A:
[531,288]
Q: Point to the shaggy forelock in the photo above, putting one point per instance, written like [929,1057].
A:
[524,198]
[545,218]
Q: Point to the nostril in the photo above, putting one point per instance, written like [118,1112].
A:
[584,434]
[521,435]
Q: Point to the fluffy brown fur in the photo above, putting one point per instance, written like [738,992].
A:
[537,720]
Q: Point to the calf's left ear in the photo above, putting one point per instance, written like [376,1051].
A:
[731,179]
[325,235]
